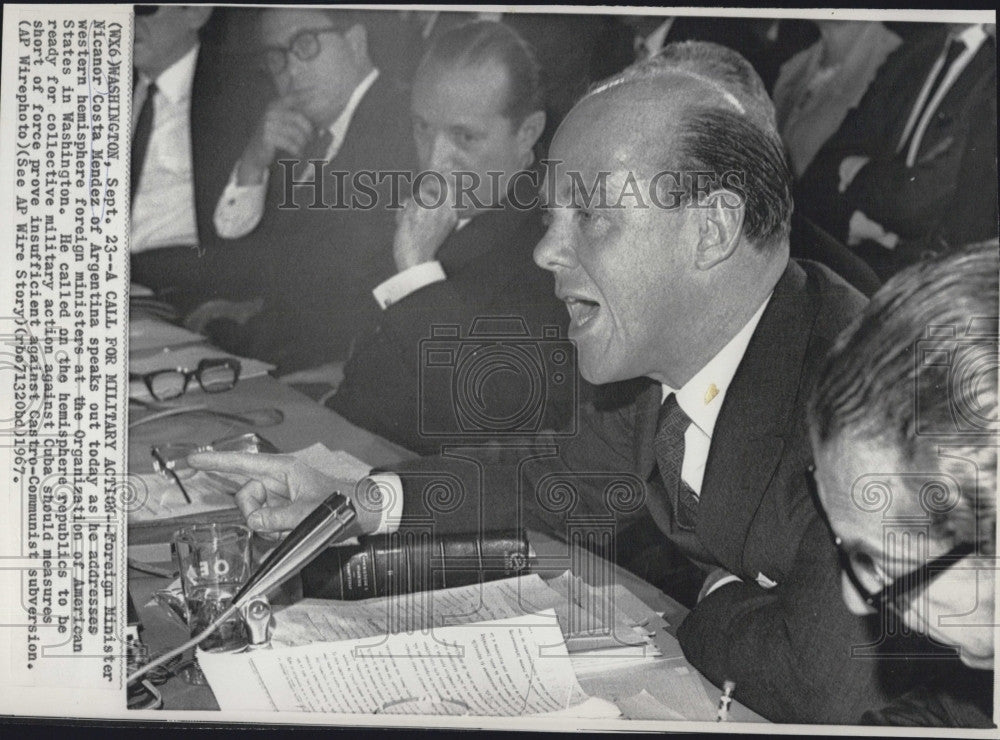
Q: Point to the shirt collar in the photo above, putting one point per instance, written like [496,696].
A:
[338,129]
[175,82]
[701,397]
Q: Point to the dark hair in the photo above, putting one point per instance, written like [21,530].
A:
[479,42]
[733,131]
[340,20]
[918,370]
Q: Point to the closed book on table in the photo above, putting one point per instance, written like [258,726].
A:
[406,562]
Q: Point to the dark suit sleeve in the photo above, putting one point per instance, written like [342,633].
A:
[544,483]
[389,387]
[786,648]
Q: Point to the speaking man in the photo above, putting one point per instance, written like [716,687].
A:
[684,303]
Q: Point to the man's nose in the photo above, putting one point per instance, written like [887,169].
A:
[555,250]
[442,154]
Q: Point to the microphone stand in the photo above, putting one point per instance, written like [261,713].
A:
[326,522]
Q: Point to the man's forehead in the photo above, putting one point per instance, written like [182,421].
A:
[468,91]
[280,26]
[619,129]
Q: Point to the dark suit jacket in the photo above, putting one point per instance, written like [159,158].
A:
[227,99]
[956,696]
[390,388]
[944,200]
[787,648]
[316,266]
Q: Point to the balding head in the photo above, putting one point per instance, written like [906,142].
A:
[724,123]
[667,229]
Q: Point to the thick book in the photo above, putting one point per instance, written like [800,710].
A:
[407,562]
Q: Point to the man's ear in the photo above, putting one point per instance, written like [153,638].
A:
[197,15]
[531,128]
[720,225]
[357,38]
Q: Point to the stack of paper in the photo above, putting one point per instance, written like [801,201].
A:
[507,668]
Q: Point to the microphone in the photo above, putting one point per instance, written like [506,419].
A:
[327,521]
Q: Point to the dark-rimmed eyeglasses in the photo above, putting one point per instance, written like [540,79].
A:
[304,45]
[213,375]
[859,566]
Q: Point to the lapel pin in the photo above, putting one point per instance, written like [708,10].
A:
[711,393]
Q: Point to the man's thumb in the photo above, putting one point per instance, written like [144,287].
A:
[280,519]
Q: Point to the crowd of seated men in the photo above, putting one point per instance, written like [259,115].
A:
[642,247]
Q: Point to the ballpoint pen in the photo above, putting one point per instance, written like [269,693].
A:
[728,687]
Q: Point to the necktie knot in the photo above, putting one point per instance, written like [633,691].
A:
[672,421]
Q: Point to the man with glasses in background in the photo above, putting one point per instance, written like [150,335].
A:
[316,253]
[904,430]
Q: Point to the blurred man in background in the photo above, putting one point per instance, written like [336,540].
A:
[904,428]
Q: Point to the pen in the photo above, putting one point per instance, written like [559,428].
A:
[728,687]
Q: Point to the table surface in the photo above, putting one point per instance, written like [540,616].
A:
[305,423]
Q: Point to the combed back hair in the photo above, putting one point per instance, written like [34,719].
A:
[917,373]
[480,42]
[731,131]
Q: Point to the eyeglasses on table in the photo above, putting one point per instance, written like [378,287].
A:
[214,375]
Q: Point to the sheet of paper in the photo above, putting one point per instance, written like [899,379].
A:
[158,497]
[671,682]
[601,612]
[646,706]
[491,669]
[147,333]
[312,620]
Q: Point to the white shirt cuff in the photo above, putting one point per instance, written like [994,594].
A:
[240,207]
[391,488]
[408,281]
[722,582]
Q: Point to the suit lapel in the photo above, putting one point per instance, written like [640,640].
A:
[749,436]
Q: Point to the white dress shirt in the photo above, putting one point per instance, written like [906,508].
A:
[241,207]
[701,399]
[973,36]
[702,396]
[163,210]
[411,279]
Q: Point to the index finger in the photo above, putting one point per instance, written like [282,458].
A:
[250,464]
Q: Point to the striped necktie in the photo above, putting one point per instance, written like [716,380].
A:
[668,444]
